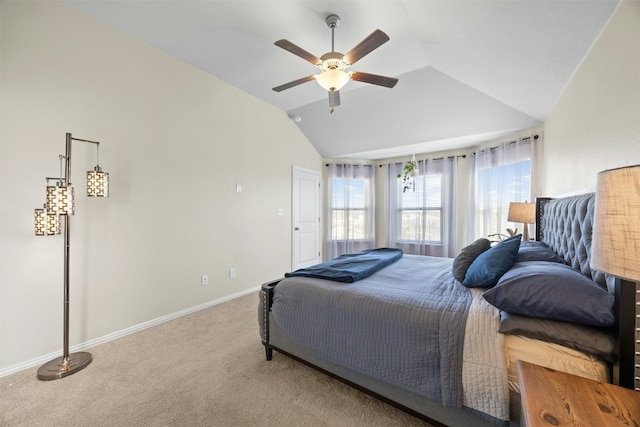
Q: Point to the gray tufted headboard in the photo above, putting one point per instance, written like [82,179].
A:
[566,226]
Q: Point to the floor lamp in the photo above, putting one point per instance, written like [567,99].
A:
[616,250]
[54,218]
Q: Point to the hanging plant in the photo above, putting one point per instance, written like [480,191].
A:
[410,171]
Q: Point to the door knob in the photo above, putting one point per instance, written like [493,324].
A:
[296,229]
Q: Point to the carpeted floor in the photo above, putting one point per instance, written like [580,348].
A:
[204,369]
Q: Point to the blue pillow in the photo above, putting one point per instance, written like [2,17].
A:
[490,265]
[549,290]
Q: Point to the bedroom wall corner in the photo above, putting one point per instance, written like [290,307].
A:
[595,125]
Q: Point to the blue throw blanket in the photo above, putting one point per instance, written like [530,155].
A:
[351,267]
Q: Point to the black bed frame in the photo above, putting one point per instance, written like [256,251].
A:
[267,294]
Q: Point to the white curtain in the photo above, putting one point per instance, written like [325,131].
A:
[499,175]
[351,209]
[422,219]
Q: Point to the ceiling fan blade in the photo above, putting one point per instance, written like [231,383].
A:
[374,79]
[296,50]
[373,41]
[294,83]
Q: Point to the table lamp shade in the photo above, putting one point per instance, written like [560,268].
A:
[522,212]
[616,234]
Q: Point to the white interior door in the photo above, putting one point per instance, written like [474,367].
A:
[305,218]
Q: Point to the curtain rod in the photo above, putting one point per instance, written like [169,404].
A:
[510,142]
[513,142]
[464,156]
[348,164]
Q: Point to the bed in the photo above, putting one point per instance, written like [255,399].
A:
[439,337]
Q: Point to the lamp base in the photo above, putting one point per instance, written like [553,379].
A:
[64,366]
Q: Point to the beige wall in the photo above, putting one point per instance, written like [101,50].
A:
[175,142]
[595,125]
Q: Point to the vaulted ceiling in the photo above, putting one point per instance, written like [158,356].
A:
[468,71]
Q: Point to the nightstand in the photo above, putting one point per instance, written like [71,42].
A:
[554,398]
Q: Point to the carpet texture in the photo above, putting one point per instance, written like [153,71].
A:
[204,369]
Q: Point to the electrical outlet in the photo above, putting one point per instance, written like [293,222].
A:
[204,280]
[232,273]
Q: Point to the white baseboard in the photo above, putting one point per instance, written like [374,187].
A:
[110,337]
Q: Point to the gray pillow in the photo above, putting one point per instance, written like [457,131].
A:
[549,290]
[536,251]
[597,342]
[467,255]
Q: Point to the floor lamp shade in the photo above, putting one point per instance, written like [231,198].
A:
[52,223]
[97,183]
[60,199]
[40,222]
[616,238]
[46,222]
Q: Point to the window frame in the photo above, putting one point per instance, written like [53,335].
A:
[348,210]
[422,211]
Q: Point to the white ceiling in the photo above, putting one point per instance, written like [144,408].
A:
[468,71]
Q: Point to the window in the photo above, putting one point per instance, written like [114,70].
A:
[348,209]
[422,219]
[351,209]
[420,210]
[502,185]
[501,175]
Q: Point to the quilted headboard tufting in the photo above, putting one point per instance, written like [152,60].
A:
[566,227]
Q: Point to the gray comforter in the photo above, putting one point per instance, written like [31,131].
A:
[404,324]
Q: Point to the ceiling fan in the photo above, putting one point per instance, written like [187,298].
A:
[333,75]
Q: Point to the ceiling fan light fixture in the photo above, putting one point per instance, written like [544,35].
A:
[332,80]
[333,75]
